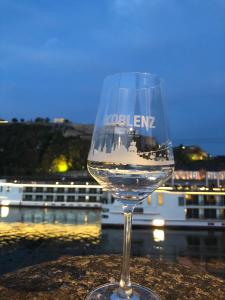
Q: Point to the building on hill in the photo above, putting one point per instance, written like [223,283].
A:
[2,121]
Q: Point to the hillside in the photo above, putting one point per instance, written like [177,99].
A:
[34,148]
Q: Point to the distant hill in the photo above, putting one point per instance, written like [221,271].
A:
[39,148]
[194,158]
[33,148]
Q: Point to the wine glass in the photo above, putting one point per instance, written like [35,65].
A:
[131,156]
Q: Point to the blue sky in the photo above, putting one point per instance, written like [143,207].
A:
[54,56]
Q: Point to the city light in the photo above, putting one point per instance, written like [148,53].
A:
[158,222]
[60,164]
[158,235]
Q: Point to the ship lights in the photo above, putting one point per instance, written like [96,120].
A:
[4,211]
[158,235]
[158,222]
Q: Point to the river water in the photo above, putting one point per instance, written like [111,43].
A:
[32,235]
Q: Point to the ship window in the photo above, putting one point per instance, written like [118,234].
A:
[81,199]
[92,191]
[49,198]
[222,215]
[192,213]
[39,198]
[27,197]
[210,241]
[1,189]
[105,216]
[222,201]
[193,240]
[92,199]
[8,189]
[39,189]
[149,199]
[160,199]
[210,213]
[105,209]
[82,191]
[181,201]
[191,199]
[60,190]
[71,190]
[28,189]
[50,190]
[138,210]
[209,200]
[71,199]
[60,199]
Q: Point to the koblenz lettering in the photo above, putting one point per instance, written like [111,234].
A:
[139,121]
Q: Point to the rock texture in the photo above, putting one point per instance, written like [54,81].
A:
[73,277]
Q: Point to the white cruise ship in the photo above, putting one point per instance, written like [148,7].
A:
[56,194]
[170,207]
[174,206]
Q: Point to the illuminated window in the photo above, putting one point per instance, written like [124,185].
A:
[188,197]
[191,199]
[149,199]
[160,199]
[209,200]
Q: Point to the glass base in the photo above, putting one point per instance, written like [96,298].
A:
[110,292]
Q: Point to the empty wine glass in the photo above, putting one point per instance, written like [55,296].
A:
[131,156]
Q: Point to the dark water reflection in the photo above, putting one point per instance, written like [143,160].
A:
[32,235]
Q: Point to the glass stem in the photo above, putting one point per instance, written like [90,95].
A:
[125,289]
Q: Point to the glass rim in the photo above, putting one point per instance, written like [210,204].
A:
[153,76]
[134,72]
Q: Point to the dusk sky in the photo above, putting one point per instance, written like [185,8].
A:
[54,56]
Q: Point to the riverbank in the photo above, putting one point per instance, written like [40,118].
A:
[72,278]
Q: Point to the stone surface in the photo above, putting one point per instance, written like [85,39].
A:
[72,278]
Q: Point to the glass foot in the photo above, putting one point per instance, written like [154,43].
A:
[110,292]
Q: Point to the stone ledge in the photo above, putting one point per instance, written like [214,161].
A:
[72,278]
